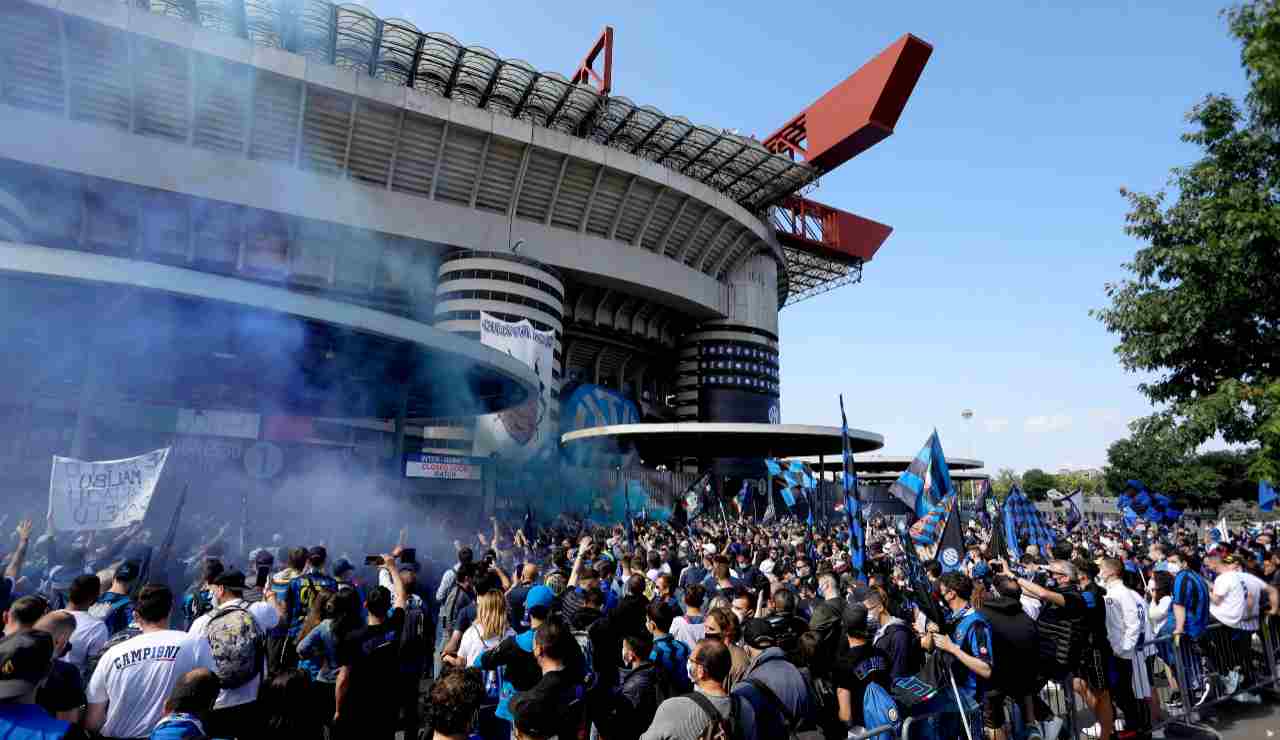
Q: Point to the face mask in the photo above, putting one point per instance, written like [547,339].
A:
[1175,569]
[688,668]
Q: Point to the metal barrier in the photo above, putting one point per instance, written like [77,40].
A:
[1186,678]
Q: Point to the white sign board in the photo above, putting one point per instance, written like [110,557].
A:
[107,494]
[521,432]
[417,465]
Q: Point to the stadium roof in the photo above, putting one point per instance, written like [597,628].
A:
[394,50]
[894,464]
[723,440]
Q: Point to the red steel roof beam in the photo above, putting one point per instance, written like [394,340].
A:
[844,236]
[586,73]
[858,113]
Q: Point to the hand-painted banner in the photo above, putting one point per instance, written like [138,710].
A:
[526,431]
[107,494]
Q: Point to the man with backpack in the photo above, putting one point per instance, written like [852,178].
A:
[198,599]
[456,611]
[862,676]
[278,638]
[304,588]
[773,685]
[237,634]
[709,712]
[115,608]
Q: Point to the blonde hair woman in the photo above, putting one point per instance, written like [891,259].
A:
[488,630]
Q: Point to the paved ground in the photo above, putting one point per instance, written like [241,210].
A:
[1240,722]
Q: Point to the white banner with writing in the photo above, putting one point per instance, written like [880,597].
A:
[521,432]
[107,494]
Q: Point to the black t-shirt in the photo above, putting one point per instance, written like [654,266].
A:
[466,617]
[373,656]
[855,669]
[562,696]
[63,691]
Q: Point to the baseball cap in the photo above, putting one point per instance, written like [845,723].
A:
[317,553]
[758,633]
[264,557]
[25,660]
[232,579]
[855,620]
[709,549]
[539,596]
[127,572]
[766,567]
[342,566]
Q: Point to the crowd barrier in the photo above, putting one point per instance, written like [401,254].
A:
[1224,664]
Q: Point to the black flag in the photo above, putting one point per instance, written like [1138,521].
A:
[950,552]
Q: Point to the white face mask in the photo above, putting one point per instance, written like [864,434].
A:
[1175,569]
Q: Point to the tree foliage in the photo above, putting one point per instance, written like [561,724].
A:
[1004,482]
[1200,310]
[1036,483]
[1155,454]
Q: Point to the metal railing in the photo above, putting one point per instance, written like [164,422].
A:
[1187,677]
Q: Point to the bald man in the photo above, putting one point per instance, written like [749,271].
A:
[518,593]
[63,694]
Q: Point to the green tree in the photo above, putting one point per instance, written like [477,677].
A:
[1036,483]
[1201,308]
[1154,454]
[1004,482]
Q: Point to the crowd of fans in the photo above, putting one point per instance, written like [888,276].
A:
[721,630]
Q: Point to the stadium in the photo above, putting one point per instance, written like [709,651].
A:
[287,236]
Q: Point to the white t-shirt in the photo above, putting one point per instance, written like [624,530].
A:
[1230,587]
[90,638]
[688,633]
[1238,587]
[473,645]
[267,618]
[136,676]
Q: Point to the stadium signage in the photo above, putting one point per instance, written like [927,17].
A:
[447,467]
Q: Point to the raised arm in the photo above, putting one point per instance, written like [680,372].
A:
[20,554]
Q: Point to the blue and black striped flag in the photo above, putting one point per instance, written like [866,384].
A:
[852,500]
[926,483]
[926,487]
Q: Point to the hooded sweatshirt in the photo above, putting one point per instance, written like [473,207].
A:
[1012,633]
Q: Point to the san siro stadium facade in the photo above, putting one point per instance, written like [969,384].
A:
[288,235]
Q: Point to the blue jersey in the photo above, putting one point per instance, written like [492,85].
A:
[670,656]
[972,633]
[115,610]
[1190,591]
[302,590]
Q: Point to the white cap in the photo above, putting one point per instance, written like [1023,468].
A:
[709,549]
[766,567]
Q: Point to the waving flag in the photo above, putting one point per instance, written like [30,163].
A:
[926,483]
[852,500]
[919,590]
[788,497]
[1073,503]
[528,523]
[950,549]
[626,518]
[773,467]
[1266,496]
[1023,525]
[980,506]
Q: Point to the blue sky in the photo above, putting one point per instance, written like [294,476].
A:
[1001,183]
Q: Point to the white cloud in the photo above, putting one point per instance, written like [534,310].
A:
[995,426]
[1046,424]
